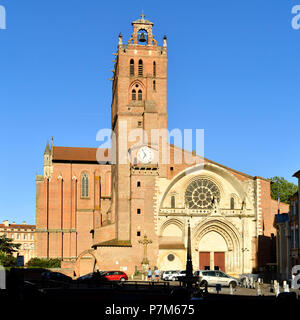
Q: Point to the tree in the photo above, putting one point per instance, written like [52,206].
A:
[44,263]
[7,246]
[7,260]
[282,187]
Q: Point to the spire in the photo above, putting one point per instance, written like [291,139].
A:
[47,149]
[52,146]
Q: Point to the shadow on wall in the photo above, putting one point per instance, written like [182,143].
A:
[266,256]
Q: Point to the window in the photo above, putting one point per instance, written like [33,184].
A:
[25,236]
[131,67]
[202,194]
[133,94]
[12,235]
[232,203]
[154,85]
[171,168]
[171,257]
[32,237]
[138,233]
[154,69]
[84,185]
[173,202]
[140,124]
[140,95]
[140,68]
[18,236]
[138,184]
[138,211]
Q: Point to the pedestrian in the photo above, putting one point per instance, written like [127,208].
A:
[149,274]
[156,273]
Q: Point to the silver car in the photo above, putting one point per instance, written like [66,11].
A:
[214,277]
[167,275]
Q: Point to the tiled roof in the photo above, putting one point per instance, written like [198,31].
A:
[17,226]
[75,154]
[113,243]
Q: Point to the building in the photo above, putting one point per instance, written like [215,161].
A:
[288,246]
[294,244]
[23,234]
[281,223]
[95,210]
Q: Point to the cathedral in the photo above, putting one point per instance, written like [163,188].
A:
[94,211]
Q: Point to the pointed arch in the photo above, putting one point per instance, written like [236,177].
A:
[140,69]
[82,254]
[131,68]
[84,185]
[133,95]
[171,221]
[140,95]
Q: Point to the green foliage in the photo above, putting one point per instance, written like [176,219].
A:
[7,260]
[44,263]
[285,188]
[7,246]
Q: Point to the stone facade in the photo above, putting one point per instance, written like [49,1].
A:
[23,234]
[91,212]
[288,236]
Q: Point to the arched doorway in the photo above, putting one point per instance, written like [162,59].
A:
[212,252]
[218,245]
[84,266]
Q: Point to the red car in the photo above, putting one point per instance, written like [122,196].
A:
[114,275]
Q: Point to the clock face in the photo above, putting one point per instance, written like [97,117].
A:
[145,155]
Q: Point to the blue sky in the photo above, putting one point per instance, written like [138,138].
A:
[233,69]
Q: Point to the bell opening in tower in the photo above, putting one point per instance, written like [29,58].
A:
[142,37]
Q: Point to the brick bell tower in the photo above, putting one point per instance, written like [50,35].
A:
[139,102]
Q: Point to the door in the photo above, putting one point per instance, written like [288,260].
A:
[219,261]
[204,260]
[221,278]
[212,278]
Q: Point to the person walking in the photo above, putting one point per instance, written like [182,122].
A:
[156,274]
[149,276]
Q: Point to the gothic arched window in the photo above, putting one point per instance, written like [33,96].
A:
[154,69]
[140,95]
[140,68]
[232,203]
[202,194]
[131,67]
[173,202]
[84,185]
[133,94]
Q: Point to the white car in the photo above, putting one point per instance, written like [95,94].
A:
[214,277]
[168,274]
[176,276]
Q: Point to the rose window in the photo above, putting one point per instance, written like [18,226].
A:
[201,194]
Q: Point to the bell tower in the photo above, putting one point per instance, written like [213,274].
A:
[139,101]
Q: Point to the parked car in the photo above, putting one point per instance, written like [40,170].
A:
[213,277]
[167,274]
[103,276]
[177,275]
[56,276]
[115,275]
